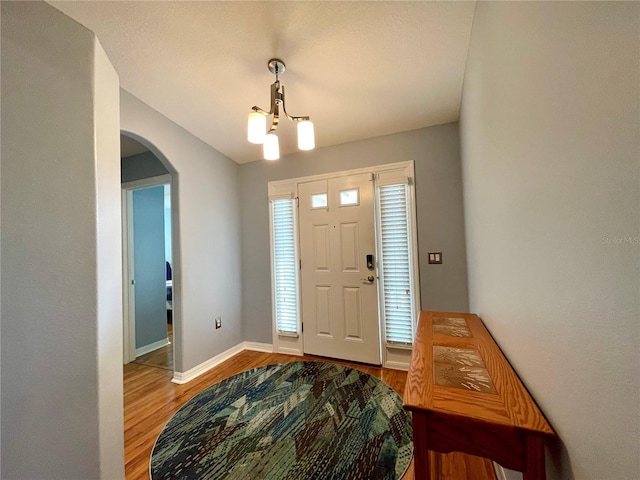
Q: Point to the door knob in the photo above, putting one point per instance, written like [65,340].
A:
[369,279]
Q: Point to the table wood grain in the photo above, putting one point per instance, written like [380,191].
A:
[504,424]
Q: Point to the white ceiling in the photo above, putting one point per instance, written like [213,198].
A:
[358,69]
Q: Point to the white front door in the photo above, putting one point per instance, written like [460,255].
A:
[339,296]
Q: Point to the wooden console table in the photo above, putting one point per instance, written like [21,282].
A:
[465,397]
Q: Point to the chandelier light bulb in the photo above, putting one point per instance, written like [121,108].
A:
[257,127]
[271,147]
[306,136]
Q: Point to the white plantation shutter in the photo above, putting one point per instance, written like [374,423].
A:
[285,266]
[395,252]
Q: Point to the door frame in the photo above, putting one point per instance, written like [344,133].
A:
[293,344]
[128,271]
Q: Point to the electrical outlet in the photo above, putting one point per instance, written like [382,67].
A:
[218,322]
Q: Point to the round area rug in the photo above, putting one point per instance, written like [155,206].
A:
[293,421]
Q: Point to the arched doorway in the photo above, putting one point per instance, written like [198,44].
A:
[149,265]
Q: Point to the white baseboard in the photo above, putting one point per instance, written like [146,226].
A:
[152,346]
[258,347]
[396,365]
[185,377]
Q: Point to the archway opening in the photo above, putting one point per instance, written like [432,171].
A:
[151,264]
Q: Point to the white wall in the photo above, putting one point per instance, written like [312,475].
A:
[550,147]
[206,234]
[108,218]
[435,151]
[61,303]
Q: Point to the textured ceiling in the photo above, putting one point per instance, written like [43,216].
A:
[358,69]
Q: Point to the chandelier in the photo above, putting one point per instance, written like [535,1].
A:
[257,125]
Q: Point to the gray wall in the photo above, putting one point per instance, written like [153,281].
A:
[149,266]
[206,234]
[61,317]
[439,210]
[147,165]
[142,165]
[550,146]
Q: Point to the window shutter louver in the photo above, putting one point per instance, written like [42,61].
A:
[285,268]
[396,264]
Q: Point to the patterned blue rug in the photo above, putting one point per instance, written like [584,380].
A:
[293,421]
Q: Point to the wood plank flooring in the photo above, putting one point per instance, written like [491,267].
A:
[162,357]
[150,400]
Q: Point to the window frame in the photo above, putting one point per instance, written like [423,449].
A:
[412,262]
[282,337]
[322,207]
[354,204]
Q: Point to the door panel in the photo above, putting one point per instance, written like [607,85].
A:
[352,313]
[321,247]
[339,303]
[323,310]
[350,246]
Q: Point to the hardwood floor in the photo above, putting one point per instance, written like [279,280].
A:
[150,400]
[162,357]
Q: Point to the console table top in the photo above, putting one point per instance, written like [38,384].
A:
[458,370]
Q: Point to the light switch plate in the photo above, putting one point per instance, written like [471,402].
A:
[435,257]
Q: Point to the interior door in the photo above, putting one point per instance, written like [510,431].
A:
[149,266]
[339,297]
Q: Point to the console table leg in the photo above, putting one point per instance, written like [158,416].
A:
[534,465]
[420,448]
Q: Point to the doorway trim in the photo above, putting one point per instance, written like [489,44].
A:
[128,273]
